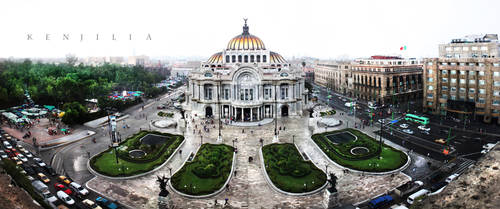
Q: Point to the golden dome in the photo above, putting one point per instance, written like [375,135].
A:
[216,58]
[245,41]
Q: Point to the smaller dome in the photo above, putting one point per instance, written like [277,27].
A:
[276,58]
[216,58]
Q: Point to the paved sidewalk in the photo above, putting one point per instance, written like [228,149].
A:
[248,188]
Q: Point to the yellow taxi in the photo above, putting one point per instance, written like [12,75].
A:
[64,179]
[43,178]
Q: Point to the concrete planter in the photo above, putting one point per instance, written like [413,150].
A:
[270,183]
[233,165]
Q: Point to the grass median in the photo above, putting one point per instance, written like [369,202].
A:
[289,172]
[390,158]
[106,162]
[208,171]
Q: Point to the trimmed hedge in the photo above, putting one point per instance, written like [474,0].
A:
[165,114]
[331,112]
[22,181]
[288,171]
[391,158]
[105,162]
[207,172]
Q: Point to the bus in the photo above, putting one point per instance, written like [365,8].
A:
[416,118]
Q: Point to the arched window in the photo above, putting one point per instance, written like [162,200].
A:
[258,58]
[252,58]
[233,58]
[227,58]
[246,58]
[264,58]
[239,58]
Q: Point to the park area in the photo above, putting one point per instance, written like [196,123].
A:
[207,172]
[289,171]
[140,153]
[353,149]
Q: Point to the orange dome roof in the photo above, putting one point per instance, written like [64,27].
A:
[216,58]
[245,41]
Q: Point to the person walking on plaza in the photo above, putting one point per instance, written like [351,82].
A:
[226,201]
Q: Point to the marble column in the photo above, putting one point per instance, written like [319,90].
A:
[251,114]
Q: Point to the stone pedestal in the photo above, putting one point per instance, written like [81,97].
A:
[165,202]
[276,139]
[330,200]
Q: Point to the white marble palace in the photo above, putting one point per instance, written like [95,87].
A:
[247,82]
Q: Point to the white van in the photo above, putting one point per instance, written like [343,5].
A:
[452,177]
[415,195]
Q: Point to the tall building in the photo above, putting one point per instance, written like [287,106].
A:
[384,79]
[333,75]
[465,80]
[246,82]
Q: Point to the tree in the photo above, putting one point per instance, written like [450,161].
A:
[71,59]
[74,113]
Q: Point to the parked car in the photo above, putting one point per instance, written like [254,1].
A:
[65,197]
[64,179]
[29,170]
[91,204]
[404,125]
[7,145]
[452,177]
[28,154]
[50,170]
[425,132]
[79,188]
[22,157]
[105,203]
[161,107]
[408,131]
[3,155]
[381,121]
[37,168]
[63,188]
[39,162]
[43,178]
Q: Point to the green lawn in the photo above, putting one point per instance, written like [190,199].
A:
[391,158]
[288,171]
[105,162]
[207,172]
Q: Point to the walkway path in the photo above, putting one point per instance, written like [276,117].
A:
[248,188]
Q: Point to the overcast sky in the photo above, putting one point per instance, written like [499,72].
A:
[322,29]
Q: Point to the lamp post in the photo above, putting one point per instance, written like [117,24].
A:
[293,139]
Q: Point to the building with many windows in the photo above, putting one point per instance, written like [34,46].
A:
[333,75]
[386,79]
[467,82]
[246,82]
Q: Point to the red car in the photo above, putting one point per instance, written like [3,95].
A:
[62,188]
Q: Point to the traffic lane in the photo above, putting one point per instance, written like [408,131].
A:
[413,146]
[463,142]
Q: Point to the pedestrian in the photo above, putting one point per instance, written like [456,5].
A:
[226,201]
[215,202]
[235,173]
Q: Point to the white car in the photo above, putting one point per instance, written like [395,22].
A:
[381,120]
[423,128]
[7,145]
[22,158]
[65,198]
[28,154]
[39,162]
[77,187]
[404,125]
[91,204]
[3,154]
[408,131]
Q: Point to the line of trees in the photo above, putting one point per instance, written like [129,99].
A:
[62,85]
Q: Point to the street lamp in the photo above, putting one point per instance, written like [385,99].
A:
[293,139]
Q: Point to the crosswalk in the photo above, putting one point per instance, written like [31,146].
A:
[464,165]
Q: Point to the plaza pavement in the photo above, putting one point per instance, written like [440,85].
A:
[248,188]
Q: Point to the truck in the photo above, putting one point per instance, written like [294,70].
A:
[408,188]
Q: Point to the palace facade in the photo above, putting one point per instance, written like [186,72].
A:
[246,82]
